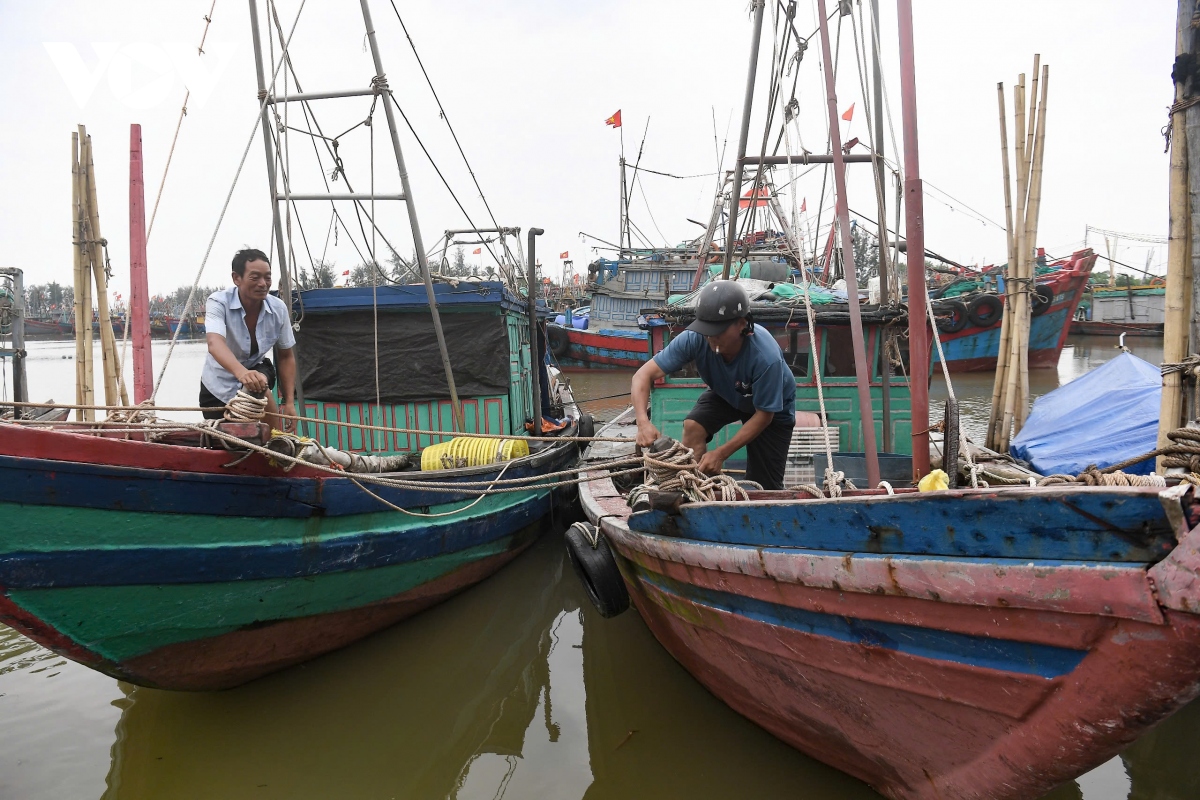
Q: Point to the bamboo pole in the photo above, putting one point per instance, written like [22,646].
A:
[1031,231]
[1016,270]
[995,416]
[1031,125]
[1179,255]
[108,344]
[83,317]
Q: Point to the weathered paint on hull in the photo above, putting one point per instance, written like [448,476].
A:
[173,575]
[598,350]
[975,349]
[939,655]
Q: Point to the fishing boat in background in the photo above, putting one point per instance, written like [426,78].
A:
[984,642]
[969,323]
[1132,310]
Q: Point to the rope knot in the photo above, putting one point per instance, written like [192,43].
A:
[245,407]
[379,83]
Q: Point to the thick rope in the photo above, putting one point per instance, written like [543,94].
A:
[245,407]
[676,470]
[1094,477]
[340,423]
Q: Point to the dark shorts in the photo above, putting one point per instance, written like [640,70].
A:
[766,455]
[209,400]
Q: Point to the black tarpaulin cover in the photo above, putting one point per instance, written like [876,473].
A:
[336,356]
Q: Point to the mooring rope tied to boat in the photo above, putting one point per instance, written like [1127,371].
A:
[311,420]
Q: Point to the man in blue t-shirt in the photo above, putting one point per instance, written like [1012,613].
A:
[748,382]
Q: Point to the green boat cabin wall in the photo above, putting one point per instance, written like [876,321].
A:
[672,397]
[494,414]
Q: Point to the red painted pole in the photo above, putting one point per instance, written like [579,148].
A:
[914,231]
[138,314]
[862,368]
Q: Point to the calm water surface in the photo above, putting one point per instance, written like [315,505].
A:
[514,689]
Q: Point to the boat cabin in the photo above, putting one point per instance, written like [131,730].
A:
[369,356]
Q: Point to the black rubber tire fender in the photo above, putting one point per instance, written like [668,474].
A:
[597,569]
[985,310]
[951,316]
[557,339]
[1042,298]
[586,429]
[950,442]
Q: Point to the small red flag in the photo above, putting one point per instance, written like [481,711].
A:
[849,115]
[347,272]
[564,254]
[614,120]
[804,205]
[477,251]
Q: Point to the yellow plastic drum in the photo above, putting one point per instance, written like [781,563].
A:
[472,451]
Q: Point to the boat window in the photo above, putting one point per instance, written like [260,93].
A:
[901,344]
[839,352]
[796,351]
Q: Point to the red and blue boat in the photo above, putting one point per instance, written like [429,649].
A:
[969,325]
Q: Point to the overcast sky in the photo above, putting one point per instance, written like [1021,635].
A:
[528,85]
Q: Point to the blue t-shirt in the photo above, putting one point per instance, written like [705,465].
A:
[758,379]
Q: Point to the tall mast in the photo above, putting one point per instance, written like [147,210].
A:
[885,277]
[862,372]
[743,135]
[914,229]
[380,81]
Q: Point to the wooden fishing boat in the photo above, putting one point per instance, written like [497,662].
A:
[970,324]
[184,567]
[962,643]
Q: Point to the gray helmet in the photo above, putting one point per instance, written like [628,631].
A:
[720,303]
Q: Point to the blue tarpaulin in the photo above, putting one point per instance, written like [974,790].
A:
[1106,416]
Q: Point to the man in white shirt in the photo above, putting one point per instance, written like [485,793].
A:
[242,324]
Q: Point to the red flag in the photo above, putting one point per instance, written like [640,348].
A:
[745,202]
[347,272]
[564,255]
[614,120]
[477,251]
[804,205]
[849,115]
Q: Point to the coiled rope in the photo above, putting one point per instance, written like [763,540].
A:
[245,407]
[675,469]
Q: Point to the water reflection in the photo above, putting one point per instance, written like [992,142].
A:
[510,689]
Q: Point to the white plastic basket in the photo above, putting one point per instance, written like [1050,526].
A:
[806,442]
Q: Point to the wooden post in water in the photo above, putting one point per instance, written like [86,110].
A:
[84,393]
[1176,323]
[138,316]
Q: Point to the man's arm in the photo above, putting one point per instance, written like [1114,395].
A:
[217,347]
[646,375]
[714,459]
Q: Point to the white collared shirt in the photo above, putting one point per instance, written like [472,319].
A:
[224,314]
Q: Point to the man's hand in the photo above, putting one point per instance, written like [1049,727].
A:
[647,434]
[711,462]
[288,409]
[254,381]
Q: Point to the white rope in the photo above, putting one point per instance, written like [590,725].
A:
[245,407]
[676,470]
[966,447]
[832,478]
[187,307]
